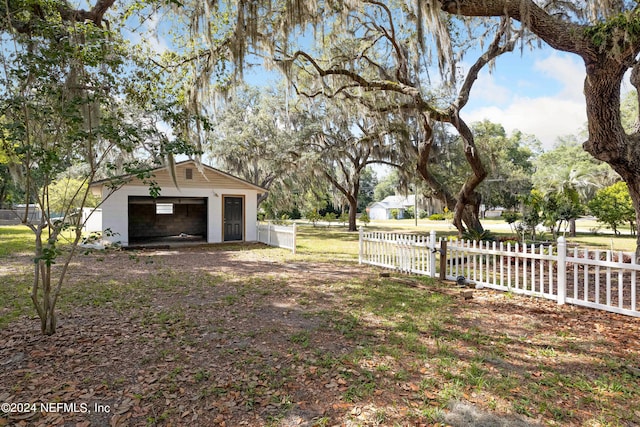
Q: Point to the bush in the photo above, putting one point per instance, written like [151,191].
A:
[437,217]
[475,235]
[330,217]
[510,217]
[314,217]
[344,218]
[364,218]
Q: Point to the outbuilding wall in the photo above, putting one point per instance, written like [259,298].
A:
[115,210]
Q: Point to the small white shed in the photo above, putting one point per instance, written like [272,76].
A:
[208,205]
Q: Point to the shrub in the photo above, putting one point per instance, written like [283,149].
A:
[344,218]
[330,217]
[436,217]
[364,218]
[475,235]
[314,217]
[510,217]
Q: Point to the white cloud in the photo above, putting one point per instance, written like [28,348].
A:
[568,71]
[487,89]
[547,116]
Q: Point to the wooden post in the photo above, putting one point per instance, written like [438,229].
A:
[443,259]
[432,253]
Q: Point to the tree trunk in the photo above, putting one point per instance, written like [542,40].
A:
[607,139]
[606,62]
[41,288]
[466,207]
[353,209]
[471,217]
[634,192]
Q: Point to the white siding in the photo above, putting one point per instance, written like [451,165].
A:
[92,219]
[115,209]
[378,212]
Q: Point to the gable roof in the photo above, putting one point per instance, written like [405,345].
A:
[202,176]
[395,202]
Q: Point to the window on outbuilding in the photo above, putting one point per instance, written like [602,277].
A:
[189,173]
[164,208]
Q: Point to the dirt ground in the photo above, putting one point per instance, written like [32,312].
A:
[203,336]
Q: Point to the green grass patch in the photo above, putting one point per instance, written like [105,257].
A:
[16,239]
[370,339]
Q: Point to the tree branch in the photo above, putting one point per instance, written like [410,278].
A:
[559,34]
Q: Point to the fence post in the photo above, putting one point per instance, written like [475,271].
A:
[360,244]
[432,253]
[443,259]
[562,270]
[269,233]
[295,229]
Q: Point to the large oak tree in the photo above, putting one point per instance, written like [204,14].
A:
[606,35]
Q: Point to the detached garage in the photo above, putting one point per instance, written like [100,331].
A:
[207,206]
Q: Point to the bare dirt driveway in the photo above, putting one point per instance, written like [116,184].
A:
[247,335]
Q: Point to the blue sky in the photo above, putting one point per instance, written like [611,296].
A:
[538,92]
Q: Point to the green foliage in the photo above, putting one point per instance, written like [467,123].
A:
[313,216]
[624,25]
[629,110]
[510,217]
[551,209]
[66,192]
[613,206]
[252,139]
[475,235]
[66,121]
[387,186]
[364,218]
[330,217]
[344,218]
[408,213]
[368,184]
[437,217]
[395,213]
[569,167]
[509,161]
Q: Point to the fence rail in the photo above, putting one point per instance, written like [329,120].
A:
[282,236]
[604,280]
[15,216]
[403,252]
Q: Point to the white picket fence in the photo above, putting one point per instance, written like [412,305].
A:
[604,280]
[282,236]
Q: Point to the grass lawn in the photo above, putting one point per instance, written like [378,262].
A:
[248,335]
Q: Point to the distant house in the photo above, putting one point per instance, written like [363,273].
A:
[209,206]
[384,208]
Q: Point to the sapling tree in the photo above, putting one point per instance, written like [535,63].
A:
[612,206]
[63,107]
